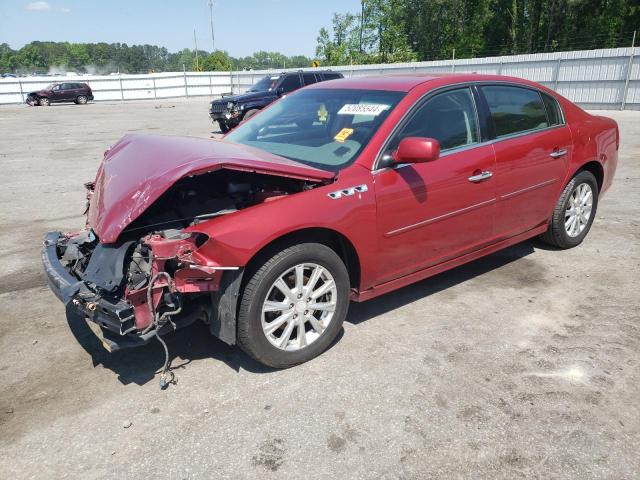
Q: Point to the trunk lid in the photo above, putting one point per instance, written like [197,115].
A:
[140,168]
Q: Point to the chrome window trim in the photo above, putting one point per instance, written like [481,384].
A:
[405,118]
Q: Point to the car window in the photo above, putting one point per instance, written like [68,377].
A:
[66,86]
[324,128]
[448,117]
[515,109]
[554,114]
[309,78]
[264,84]
[290,83]
[331,76]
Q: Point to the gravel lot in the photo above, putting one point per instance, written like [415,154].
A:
[524,364]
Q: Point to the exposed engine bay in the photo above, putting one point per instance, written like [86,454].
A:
[153,278]
[198,198]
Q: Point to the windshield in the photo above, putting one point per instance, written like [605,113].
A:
[50,86]
[264,84]
[325,129]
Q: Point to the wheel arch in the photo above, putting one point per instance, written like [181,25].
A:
[333,239]
[226,302]
[595,168]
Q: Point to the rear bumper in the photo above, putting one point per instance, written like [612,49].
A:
[114,318]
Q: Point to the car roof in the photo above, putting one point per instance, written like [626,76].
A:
[406,82]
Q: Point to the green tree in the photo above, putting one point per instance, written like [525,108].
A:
[218,60]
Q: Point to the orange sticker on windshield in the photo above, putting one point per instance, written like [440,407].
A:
[343,134]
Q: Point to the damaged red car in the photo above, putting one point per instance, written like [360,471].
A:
[341,191]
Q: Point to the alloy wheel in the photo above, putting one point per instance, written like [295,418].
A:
[299,306]
[578,212]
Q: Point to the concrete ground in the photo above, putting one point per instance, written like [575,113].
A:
[524,364]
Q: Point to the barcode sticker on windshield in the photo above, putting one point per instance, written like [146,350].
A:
[373,109]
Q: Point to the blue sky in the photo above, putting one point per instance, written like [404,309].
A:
[241,26]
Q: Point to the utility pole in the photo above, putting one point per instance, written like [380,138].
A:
[361,22]
[629,67]
[195,41]
[213,38]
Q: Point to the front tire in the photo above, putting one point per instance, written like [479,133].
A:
[293,306]
[249,114]
[224,128]
[81,100]
[44,102]
[574,213]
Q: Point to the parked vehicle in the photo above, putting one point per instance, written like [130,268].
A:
[79,93]
[342,191]
[230,110]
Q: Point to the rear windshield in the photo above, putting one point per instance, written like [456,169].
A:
[323,128]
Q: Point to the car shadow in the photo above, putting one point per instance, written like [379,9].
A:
[141,365]
[360,312]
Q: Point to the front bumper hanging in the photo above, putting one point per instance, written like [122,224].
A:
[115,319]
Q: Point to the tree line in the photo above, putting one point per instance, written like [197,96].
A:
[383,31]
[105,58]
[407,30]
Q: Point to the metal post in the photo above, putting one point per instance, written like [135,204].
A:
[121,92]
[500,67]
[556,74]
[155,95]
[184,72]
[21,92]
[453,61]
[210,86]
[629,68]
[231,81]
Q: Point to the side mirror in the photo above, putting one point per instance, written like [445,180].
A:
[279,91]
[417,150]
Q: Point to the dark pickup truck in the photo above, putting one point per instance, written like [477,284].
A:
[230,110]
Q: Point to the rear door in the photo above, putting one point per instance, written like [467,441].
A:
[290,83]
[532,148]
[67,92]
[431,212]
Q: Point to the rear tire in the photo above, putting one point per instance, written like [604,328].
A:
[574,213]
[44,102]
[81,100]
[277,322]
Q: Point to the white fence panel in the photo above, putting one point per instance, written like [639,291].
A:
[591,78]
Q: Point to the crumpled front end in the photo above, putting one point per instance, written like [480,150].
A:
[132,290]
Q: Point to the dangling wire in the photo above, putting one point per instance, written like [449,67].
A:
[159,321]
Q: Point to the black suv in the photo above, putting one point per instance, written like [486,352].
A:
[231,110]
[61,92]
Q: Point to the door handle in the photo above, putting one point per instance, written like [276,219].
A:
[481,176]
[558,153]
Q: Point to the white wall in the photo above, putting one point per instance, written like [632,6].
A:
[596,79]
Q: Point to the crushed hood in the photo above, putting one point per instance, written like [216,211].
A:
[138,169]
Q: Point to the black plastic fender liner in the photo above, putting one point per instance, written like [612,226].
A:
[225,306]
[106,265]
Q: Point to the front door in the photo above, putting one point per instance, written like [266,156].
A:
[431,212]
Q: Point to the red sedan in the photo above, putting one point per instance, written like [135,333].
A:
[341,191]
